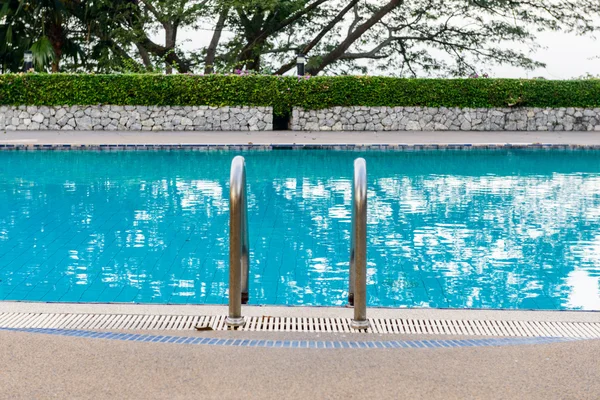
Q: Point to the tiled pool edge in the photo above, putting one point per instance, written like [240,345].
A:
[298,344]
[294,146]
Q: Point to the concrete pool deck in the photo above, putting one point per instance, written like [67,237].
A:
[45,366]
[295,137]
[38,365]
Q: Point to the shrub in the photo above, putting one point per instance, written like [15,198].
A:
[283,93]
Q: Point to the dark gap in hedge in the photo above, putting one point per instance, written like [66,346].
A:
[282,122]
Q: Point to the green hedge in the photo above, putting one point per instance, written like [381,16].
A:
[285,92]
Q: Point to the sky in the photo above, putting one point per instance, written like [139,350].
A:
[566,56]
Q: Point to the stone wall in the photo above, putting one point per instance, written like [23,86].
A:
[443,119]
[136,118]
[204,118]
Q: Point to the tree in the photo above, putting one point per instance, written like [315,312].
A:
[43,26]
[399,37]
[171,15]
[406,37]
[108,33]
[121,31]
[257,25]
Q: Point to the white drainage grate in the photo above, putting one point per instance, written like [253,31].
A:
[291,324]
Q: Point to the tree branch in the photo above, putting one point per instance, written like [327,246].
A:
[336,53]
[183,66]
[357,19]
[286,67]
[261,36]
[153,10]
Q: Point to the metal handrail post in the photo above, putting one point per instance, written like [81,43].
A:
[239,257]
[357,294]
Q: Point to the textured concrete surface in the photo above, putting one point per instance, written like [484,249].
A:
[289,137]
[41,366]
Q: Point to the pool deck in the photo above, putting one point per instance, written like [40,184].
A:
[42,365]
[48,365]
[37,365]
[290,137]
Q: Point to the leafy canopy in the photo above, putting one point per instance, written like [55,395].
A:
[397,37]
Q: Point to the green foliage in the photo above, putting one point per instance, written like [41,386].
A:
[283,93]
[429,38]
[43,53]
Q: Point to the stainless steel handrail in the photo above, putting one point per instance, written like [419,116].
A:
[239,257]
[357,294]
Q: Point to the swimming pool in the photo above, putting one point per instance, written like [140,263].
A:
[516,229]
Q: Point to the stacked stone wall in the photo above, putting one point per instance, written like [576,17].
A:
[136,118]
[204,118]
[446,119]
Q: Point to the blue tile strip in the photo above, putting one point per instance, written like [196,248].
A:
[304,344]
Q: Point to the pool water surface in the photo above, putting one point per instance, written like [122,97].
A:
[516,229]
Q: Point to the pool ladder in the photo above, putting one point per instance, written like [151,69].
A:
[239,257]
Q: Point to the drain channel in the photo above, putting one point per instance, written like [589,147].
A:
[587,330]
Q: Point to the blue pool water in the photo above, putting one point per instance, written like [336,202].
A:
[479,229]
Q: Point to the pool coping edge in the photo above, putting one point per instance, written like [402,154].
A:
[300,311]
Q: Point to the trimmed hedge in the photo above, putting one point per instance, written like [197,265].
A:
[283,93]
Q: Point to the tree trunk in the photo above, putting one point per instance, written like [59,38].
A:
[253,63]
[170,40]
[145,57]
[56,36]
[55,65]
[251,56]
[209,61]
